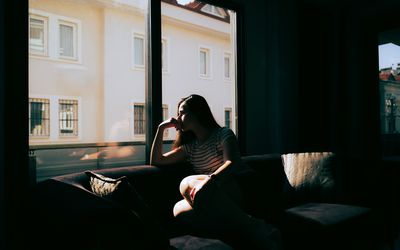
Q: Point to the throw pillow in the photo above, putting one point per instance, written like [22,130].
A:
[311,174]
[120,190]
[102,185]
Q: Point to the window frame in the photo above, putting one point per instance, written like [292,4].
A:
[74,25]
[75,133]
[208,61]
[165,54]
[45,20]
[138,137]
[41,136]
[136,34]
[229,109]
[228,55]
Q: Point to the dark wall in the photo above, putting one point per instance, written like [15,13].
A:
[310,84]
[2,188]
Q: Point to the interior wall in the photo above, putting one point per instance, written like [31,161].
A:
[2,187]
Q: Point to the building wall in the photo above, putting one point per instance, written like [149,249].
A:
[105,79]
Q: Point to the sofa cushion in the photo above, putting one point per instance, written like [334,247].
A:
[121,191]
[312,175]
[326,214]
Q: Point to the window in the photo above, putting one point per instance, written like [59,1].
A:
[109,108]
[67,46]
[205,67]
[165,117]
[389,87]
[55,36]
[227,66]
[38,35]
[138,50]
[68,117]
[213,10]
[139,119]
[39,117]
[196,42]
[228,118]
[164,55]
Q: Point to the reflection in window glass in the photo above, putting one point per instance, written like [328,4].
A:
[201,50]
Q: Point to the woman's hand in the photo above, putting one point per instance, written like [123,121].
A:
[170,123]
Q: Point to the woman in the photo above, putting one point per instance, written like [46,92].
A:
[211,198]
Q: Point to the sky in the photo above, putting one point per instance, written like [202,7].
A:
[389,55]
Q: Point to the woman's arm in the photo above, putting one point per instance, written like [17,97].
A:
[232,159]
[156,155]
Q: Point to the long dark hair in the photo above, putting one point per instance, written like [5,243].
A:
[197,106]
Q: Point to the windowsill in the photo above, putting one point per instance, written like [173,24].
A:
[59,60]
[137,68]
[209,78]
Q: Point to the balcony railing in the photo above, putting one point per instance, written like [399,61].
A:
[47,161]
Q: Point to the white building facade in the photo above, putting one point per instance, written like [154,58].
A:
[87,68]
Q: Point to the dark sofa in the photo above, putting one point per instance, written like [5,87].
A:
[301,194]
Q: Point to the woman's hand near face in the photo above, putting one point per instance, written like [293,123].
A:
[170,123]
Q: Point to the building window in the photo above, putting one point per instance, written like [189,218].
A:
[205,61]
[228,117]
[138,51]
[164,55]
[54,36]
[165,117]
[68,44]
[68,117]
[213,10]
[38,35]
[139,119]
[227,66]
[39,117]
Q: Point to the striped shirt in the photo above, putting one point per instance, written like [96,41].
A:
[208,156]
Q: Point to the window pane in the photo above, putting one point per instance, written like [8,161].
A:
[66,40]
[139,51]
[389,85]
[36,34]
[140,122]
[198,43]
[39,117]
[227,67]
[89,118]
[68,117]
[203,62]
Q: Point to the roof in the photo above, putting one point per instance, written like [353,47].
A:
[197,6]
[389,75]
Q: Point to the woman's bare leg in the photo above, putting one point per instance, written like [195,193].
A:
[213,209]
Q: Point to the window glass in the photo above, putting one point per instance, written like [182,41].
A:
[68,117]
[227,67]
[39,116]
[139,50]
[67,40]
[228,118]
[37,34]
[197,63]
[82,94]
[389,85]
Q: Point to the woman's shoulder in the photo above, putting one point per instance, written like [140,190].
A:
[225,133]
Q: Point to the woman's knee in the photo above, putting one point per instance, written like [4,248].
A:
[181,207]
[188,183]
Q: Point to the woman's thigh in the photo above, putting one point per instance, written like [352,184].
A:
[188,183]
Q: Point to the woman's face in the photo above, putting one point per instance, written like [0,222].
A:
[185,118]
